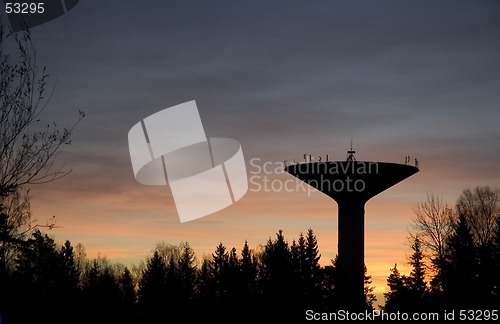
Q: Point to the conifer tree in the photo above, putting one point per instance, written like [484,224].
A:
[248,268]
[462,266]
[396,296]
[126,282]
[205,287]
[416,281]
[220,260]
[329,287]
[153,288]
[187,274]
[370,297]
[248,265]
[417,275]
[311,269]
[278,279]
[39,276]
[128,306]
[233,274]
[71,272]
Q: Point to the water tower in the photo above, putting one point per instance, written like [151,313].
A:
[351,184]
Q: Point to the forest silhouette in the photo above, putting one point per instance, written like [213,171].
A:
[42,280]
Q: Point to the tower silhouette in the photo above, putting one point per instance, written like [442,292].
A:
[351,184]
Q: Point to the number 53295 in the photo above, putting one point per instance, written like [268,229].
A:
[24,7]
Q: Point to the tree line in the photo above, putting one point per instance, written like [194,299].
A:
[278,280]
[455,260]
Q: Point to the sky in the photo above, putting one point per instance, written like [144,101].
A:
[284,78]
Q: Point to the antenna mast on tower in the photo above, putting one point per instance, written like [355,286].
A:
[350,154]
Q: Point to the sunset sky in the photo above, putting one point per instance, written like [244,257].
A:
[284,78]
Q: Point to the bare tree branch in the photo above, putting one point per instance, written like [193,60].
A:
[27,149]
[432,221]
[481,208]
